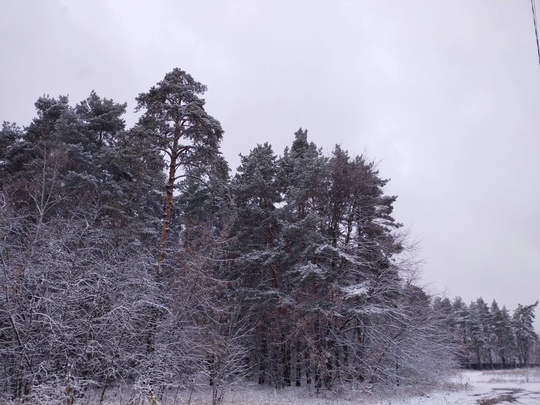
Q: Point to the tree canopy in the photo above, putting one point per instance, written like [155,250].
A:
[292,271]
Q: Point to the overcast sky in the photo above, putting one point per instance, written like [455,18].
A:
[445,94]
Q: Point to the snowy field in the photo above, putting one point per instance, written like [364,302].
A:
[466,388]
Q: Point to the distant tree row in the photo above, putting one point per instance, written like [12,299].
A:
[488,336]
[131,256]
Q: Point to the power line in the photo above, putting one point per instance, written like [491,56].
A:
[533,7]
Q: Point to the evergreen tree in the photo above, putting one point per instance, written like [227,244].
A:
[479,324]
[462,331]
[257,233]
[11,136]
[102,118]
[302,273]
[185,133]
[444,308]
[526,337]
[505,340]
[204,199]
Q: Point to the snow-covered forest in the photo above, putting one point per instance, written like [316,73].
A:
[133,257]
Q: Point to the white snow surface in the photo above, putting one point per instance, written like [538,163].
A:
[520,386]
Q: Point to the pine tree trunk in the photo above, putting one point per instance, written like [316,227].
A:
[167,208]
[298,363]
[286,362]
[308,366]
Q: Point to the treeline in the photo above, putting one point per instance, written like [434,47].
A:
[488,336]
[131,256]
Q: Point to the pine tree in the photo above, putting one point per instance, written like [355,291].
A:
[204,199]
[338,279]
[303,178]
[185,133]
[480,332]
[257,233]
[11,137]
[103,119]
[462,330]
[505,340]
[526,337]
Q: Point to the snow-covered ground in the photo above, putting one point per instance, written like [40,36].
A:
[488,388]
[465,388]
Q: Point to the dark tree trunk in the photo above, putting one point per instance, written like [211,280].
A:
[307,366]
[167,207]
[286,351]
[298,363]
